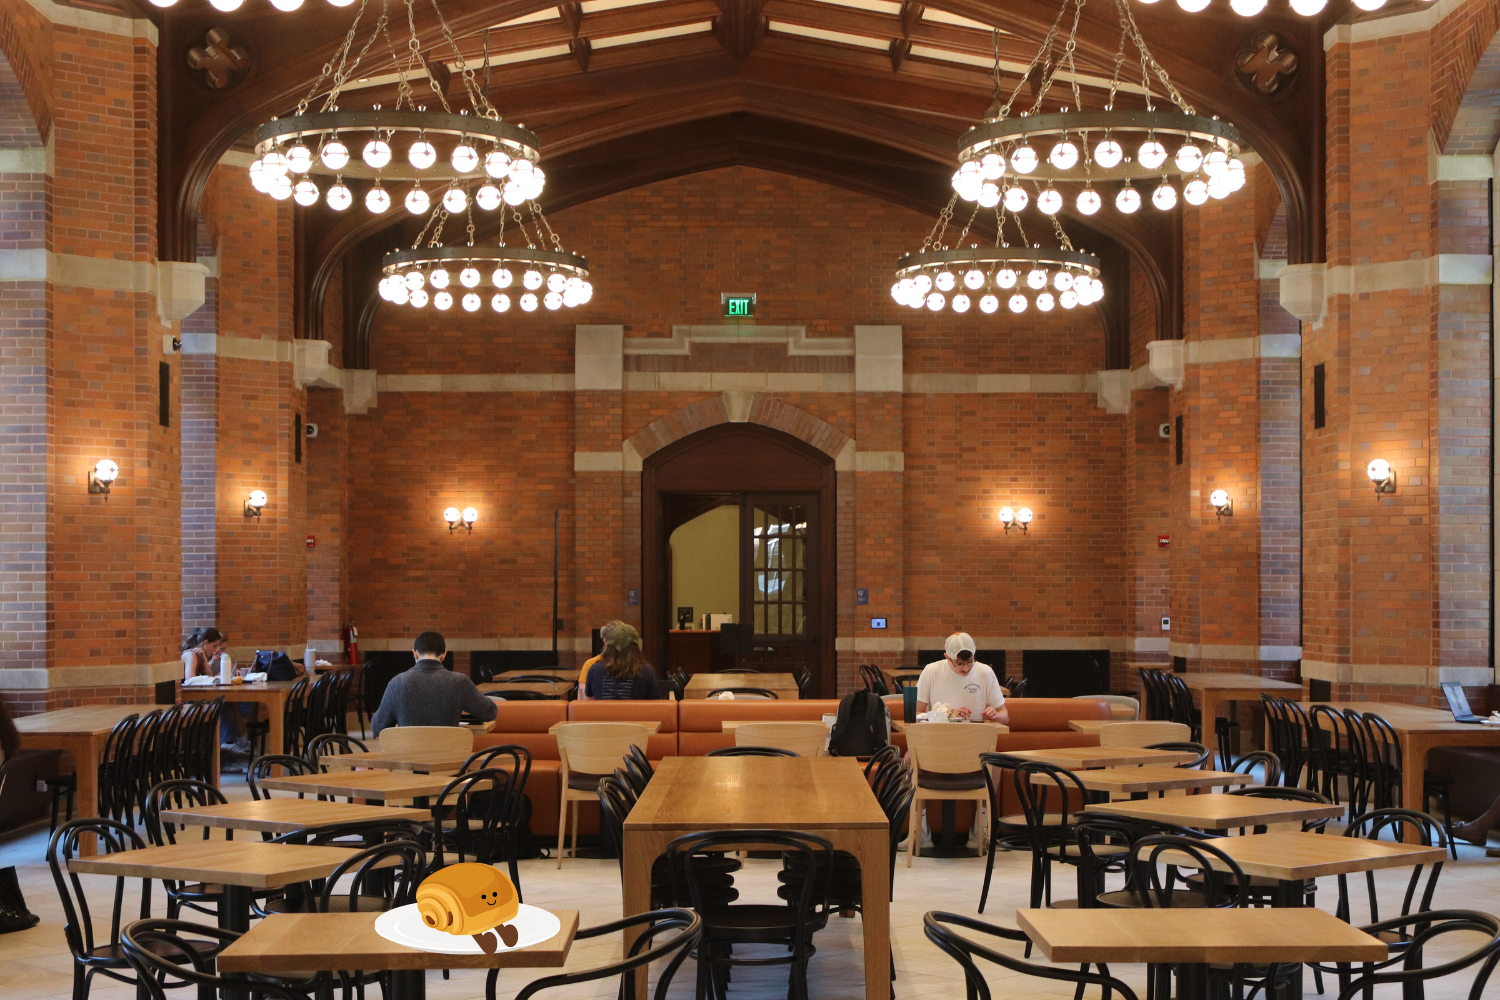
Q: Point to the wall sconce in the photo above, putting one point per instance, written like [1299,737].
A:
[453,517]
[1223,506]
[254,502]
[1382,475]
[101,475]
[1015,518]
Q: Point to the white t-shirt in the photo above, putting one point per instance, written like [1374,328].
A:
[976,690]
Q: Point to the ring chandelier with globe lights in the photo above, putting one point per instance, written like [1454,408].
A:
[444,153]
[443,276]
[1021,276]
[1077,146]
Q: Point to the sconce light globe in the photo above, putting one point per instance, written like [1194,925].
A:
[257,498]
[470,515]
[1379,470]
[1007,515]
[106,471]
[1219,498]
[1024,515]
[451,515]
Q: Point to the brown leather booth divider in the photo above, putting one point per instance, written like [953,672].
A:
[663,744]
[700,722]
[525,723]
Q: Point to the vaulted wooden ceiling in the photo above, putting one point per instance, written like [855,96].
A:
[865,94]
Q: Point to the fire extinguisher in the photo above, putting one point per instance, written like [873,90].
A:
[351,644]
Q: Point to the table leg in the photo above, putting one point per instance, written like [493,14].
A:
[275,738]
[234,915]
[1414,748]
[872,848]
[1192,981]
[641,850]
[1210,712]
[86,752]
[408,984]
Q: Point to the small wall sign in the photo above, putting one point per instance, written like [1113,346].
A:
[862,595]
[738,305]
[1164,541]
[877,623]
[312,541]
[633,598]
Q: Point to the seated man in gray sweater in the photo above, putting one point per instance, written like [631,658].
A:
[428,694]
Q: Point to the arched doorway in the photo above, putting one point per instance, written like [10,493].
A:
[786,492]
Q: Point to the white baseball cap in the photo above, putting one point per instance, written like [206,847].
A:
[959,642]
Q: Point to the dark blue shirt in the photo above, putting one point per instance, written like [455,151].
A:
[605,688]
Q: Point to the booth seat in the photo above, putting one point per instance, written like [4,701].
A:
[525,723]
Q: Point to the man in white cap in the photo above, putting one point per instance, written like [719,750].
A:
[969,688]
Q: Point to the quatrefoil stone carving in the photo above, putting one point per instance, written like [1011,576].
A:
[1266,62]
[218,59]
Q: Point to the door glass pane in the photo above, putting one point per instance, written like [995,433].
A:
[780,546]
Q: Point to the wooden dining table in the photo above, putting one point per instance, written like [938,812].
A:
[424,761]
[1217,812]
[1152,778]
[330,942]
[783,685]
[1194,939]
[558,688]
[288,815]
[379,786]
[271,694]
[1215,688]
[1079,758]
[81,731]
[827,796]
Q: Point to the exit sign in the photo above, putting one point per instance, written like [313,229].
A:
[738,306]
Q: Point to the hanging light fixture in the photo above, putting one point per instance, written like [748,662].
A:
[471,276]
[1159,150]
[411,154]
[1015,278]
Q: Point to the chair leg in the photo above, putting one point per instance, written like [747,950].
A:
[574,819]
[913,829]
[562,825]
[989,870]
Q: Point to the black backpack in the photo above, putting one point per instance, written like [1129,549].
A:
[276,665]
[863,726]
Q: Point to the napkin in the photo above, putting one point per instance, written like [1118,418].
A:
[252,678]
[202,680]
[323,663]
[726,696]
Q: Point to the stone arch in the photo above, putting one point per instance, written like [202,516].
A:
[1466,102]
[741,407]
[25,113]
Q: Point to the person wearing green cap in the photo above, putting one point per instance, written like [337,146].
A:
[622,673]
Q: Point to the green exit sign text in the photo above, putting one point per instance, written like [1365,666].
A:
[738,306]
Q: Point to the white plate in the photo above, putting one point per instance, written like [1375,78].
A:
[404,925]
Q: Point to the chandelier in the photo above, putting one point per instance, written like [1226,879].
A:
[1155,149]
[443,154]
[1022,276]
[442,276]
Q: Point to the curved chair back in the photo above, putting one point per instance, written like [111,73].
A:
[1203,752]
[264,767]
[1224,883]
[163,958]
[874,680]
[516,762]
[78,921]
[357,834]
[1143,734]
[1263,759]
[381,877]
[180,793]
[1383,762]
[1397,825]
[751,752]
[764,694]
[1291,794]
[469,817]
[949,747]
[427,739]
[1419,930]
[598,747]
[938,926]
[805,739]
[643,952]
[331,744]
[117,798]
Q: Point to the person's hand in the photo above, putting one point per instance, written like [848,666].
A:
[962,712]
[990,714]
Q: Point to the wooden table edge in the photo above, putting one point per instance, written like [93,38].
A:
[1304,811]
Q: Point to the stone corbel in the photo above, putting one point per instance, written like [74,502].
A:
[359,390]
[310,367]
[1303,291]
[1113,391]
[1166,362]
[180,289]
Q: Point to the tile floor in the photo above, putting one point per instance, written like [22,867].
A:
[36,963]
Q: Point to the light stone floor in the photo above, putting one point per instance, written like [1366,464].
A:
[35,964]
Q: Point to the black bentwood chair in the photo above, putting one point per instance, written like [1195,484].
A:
[643,951]
[964,950]
[1420,930]
[163,959]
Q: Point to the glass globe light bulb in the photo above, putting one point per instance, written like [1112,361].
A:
[417,201]
[1379,470]
[1024,160]
[1049,202]
[576,284]
[552,300]
[376,154]
[487,197]
[989,195]
[1007,516]
[497,163]
[1017,303]
[1108,154]
[1369,4]
[1128,200]
[226,5]
[1064,156]
[528,302]
[280,188]
[376,200]
[419,298]
[989,304]
[414,280]
[1045,302]
[917,300]
[588,291]
[286,6]
[163,3]
[1068,299]
[1236,174]
[106,471]
[455,200]
[897,295]
[258,498]
[1309,8]
[1189,158]
[1152,154]
[1089,201]
[935,301]
[258,178]
[1216,163]
[906,287]
[299,159]
[1164,197]
[1192,6]
[1219,499]
[1036,278]
[1016,199]
[969,171]
[334,154]
[1062,281]
[1219,188]
[974,278]
[399,293]
[537,182]
[273,165]
[451,515]
[945,281]
[964,188]
[443,300]
[339,197]
[465,158]
[305,193]
[422,154]
[1195,192]
[469,277]
[992,166]
[439,278]
[960,303]
[500,303]
[471,302]
[512,194]
[556,282]
[1024,515]
[1005,278]
[521,170]
[502,277]
[532,280]
[470,515]
[922,283]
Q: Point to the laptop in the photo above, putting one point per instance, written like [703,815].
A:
[1458,704]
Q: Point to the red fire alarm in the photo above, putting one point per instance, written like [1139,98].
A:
[312,541]
[1164,541]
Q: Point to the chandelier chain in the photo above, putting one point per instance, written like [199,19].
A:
[415,45]
[477,97]
[339,56]
[1044,50]
[936,234]
[1148,59]
[967,226]
[540,221]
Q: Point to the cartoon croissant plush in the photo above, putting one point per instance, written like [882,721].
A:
[470,899]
